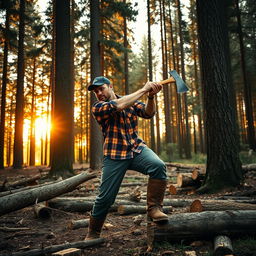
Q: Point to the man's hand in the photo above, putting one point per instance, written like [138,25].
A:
[152,88]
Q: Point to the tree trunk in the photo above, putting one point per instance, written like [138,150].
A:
[25,198]
[19,111]
[95,136]
[203,225]
[63,120]
[223,163]
[32,122]
[187,145]
[4,84]
[251,139]
[150,76]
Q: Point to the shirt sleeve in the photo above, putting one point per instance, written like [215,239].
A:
[139,107]
[103,110]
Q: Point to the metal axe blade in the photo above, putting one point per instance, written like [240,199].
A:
[181,86]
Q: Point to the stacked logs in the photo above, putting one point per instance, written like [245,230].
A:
[187,182]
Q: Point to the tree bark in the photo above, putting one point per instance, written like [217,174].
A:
[130,209]
[63,119]
[96,139]
[223,163]
[251,139]
[214,205]
[76,224]
[203,225]
[4,85]
[55,248]
[19,111]
[25,198]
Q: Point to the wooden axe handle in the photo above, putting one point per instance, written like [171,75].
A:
[166,81]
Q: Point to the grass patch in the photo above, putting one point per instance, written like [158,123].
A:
[245,247]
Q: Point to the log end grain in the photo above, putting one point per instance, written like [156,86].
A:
[196,206]
[172,190]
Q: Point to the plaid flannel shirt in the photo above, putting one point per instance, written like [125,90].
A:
[120,128]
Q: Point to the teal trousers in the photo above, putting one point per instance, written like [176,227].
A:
[113,171]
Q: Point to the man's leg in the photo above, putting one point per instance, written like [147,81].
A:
[113,172]
[147,162]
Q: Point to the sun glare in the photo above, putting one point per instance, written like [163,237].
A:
[42,127]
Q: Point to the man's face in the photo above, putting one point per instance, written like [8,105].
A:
[103,92]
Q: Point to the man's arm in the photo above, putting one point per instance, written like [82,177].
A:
[129,100]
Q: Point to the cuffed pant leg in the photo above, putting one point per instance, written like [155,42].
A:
[113,172]
[147,162]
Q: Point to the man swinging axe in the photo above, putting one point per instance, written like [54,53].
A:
[123,149]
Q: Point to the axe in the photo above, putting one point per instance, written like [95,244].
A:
[175,78]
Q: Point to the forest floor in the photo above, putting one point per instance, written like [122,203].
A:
[123,236]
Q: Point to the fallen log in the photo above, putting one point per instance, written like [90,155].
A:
[249,167]
[76,224]
[186,166]
[202,225]
[55,248]
[185,180]
[23,182]
[219,205]
[174,190]
[222,246]
[197,175]
[25,198]
[42,211]
[71,206]
[83,204]
[139,209]
[12,191]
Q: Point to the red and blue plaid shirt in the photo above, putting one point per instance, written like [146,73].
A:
[120,128]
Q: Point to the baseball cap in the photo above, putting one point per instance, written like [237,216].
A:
[98,81]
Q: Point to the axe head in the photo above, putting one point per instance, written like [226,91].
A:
[181,86]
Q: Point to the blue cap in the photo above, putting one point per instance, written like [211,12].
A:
[98,81]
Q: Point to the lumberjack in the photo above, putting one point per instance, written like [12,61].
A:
[123,149]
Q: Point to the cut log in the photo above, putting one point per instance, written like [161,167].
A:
[71,206]
[76,224]
[130,184]
[249,167]
[186,166]
[12,191]
[135,195]
[55,248]
[130,209]
[185,180]
[174,190]
[81,204]
[41,211]
[84,204]
[222,246]
[219,205]
[197,175]
[25,198]
[202,225]
[23,182]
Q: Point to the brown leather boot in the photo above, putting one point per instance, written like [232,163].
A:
[94,229]
[155,197]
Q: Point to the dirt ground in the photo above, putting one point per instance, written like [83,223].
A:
[123,236]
